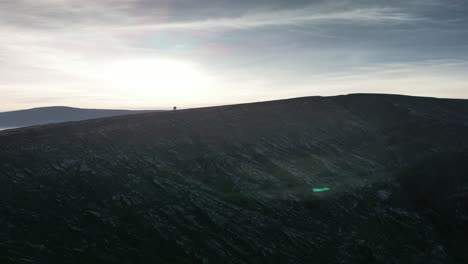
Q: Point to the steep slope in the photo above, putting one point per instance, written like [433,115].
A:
[55,114]
[235,183]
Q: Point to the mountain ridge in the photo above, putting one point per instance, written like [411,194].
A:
[56,114]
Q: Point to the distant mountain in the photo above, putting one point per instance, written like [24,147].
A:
[55,114]
[347,179]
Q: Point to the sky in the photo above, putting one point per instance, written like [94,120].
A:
[154,54]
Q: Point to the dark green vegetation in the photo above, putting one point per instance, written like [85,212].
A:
[55,114]
[234,184]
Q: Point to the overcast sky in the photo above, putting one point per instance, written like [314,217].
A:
[155,54]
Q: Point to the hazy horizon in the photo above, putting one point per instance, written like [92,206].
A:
[139,54]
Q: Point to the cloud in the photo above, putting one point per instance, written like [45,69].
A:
[55,48]
[305,16]
[183,15]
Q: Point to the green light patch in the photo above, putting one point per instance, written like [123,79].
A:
[321,189]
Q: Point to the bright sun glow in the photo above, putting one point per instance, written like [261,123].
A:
[158,77]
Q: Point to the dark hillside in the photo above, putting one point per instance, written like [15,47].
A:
[235,184]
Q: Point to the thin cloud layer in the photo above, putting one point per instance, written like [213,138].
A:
[288,18]
[56,51]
